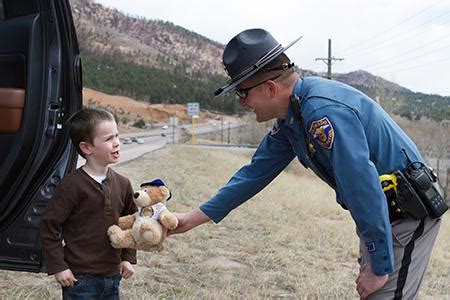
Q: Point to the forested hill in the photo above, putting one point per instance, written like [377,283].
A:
[158,61]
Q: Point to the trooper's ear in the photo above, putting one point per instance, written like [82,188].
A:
[273,88]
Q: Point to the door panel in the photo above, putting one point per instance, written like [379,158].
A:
[40,87]
[11,109]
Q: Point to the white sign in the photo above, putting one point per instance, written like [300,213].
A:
[193,109]
[173,121]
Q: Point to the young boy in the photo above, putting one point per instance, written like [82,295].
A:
[85,203]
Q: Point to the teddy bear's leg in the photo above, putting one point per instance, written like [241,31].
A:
[162,243]
[169,220]
[120,238]
[150,233]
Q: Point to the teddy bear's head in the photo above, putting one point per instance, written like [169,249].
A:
[152,193]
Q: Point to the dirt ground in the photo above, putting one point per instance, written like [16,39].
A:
[128,110]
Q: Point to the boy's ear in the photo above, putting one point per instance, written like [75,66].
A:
[85,148]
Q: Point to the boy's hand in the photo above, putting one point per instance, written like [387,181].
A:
[126,270]
[65,278]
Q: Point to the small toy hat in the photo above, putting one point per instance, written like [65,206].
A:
[156,182]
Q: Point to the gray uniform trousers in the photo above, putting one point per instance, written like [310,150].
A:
[413,242]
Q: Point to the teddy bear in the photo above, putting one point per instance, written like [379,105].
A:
[147,228]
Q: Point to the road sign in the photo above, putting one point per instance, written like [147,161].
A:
[173,121]
[193,109]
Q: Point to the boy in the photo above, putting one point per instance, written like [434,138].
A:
[85,203]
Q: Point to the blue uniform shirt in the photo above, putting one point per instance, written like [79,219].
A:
[355,141]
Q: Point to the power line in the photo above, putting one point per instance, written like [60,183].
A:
[402,55]
[382,33]
[409,35]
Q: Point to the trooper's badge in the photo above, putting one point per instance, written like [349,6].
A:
[322,132]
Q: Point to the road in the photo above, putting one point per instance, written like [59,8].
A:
[157,138]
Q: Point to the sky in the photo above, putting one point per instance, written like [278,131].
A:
[404,41]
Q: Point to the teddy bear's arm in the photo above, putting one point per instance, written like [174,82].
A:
[168,219]
[126,222]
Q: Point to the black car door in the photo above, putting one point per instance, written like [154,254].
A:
[40,87]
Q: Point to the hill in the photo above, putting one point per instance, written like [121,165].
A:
[159,62]
[127,110]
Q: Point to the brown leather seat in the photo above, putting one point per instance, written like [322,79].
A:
[12,102]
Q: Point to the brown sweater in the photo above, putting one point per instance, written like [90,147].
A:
[80,212]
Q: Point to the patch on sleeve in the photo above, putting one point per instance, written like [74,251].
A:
[276,127]
[322,132]
[370,247]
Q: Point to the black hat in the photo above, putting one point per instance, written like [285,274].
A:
[247,53]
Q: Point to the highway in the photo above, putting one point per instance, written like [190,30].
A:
[156,138]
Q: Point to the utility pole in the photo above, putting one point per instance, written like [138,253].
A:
[329,60]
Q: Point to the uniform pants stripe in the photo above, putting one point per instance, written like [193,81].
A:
[403,273]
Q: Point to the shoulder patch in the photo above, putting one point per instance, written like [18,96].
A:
[276,127]
[322,132]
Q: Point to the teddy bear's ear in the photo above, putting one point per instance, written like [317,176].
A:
[156,182]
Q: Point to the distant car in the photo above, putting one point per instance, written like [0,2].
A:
[165,127]
[133,139]
[127,140]
[139,141]
[163,134]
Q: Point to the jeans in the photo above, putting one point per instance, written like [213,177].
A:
[92,286]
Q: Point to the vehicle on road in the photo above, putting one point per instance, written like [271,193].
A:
[126,140]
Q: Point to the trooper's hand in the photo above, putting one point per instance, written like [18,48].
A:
[183,224]
[189,220]
[368,283]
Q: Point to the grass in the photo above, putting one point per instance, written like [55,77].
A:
[290,241]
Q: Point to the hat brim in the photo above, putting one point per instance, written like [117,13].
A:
[252,70]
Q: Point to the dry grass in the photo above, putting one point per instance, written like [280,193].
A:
[291,241]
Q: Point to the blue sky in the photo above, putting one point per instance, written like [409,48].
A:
[405,41]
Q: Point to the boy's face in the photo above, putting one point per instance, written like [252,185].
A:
[105,146]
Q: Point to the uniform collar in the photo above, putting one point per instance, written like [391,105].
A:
[290,119]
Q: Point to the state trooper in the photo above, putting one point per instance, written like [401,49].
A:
[345,138]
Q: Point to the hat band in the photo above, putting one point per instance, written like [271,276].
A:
[259,62]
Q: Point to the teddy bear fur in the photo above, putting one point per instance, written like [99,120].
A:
[147,228]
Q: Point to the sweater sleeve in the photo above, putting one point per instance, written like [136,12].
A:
[58,210]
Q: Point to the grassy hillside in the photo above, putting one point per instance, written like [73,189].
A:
[107,74]
[291,241]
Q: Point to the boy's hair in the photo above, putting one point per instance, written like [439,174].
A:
[82,124]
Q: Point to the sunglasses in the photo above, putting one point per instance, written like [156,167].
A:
[243,93]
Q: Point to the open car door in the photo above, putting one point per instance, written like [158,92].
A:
[40,87]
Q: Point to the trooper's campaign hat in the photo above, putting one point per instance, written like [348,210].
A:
[248,52]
